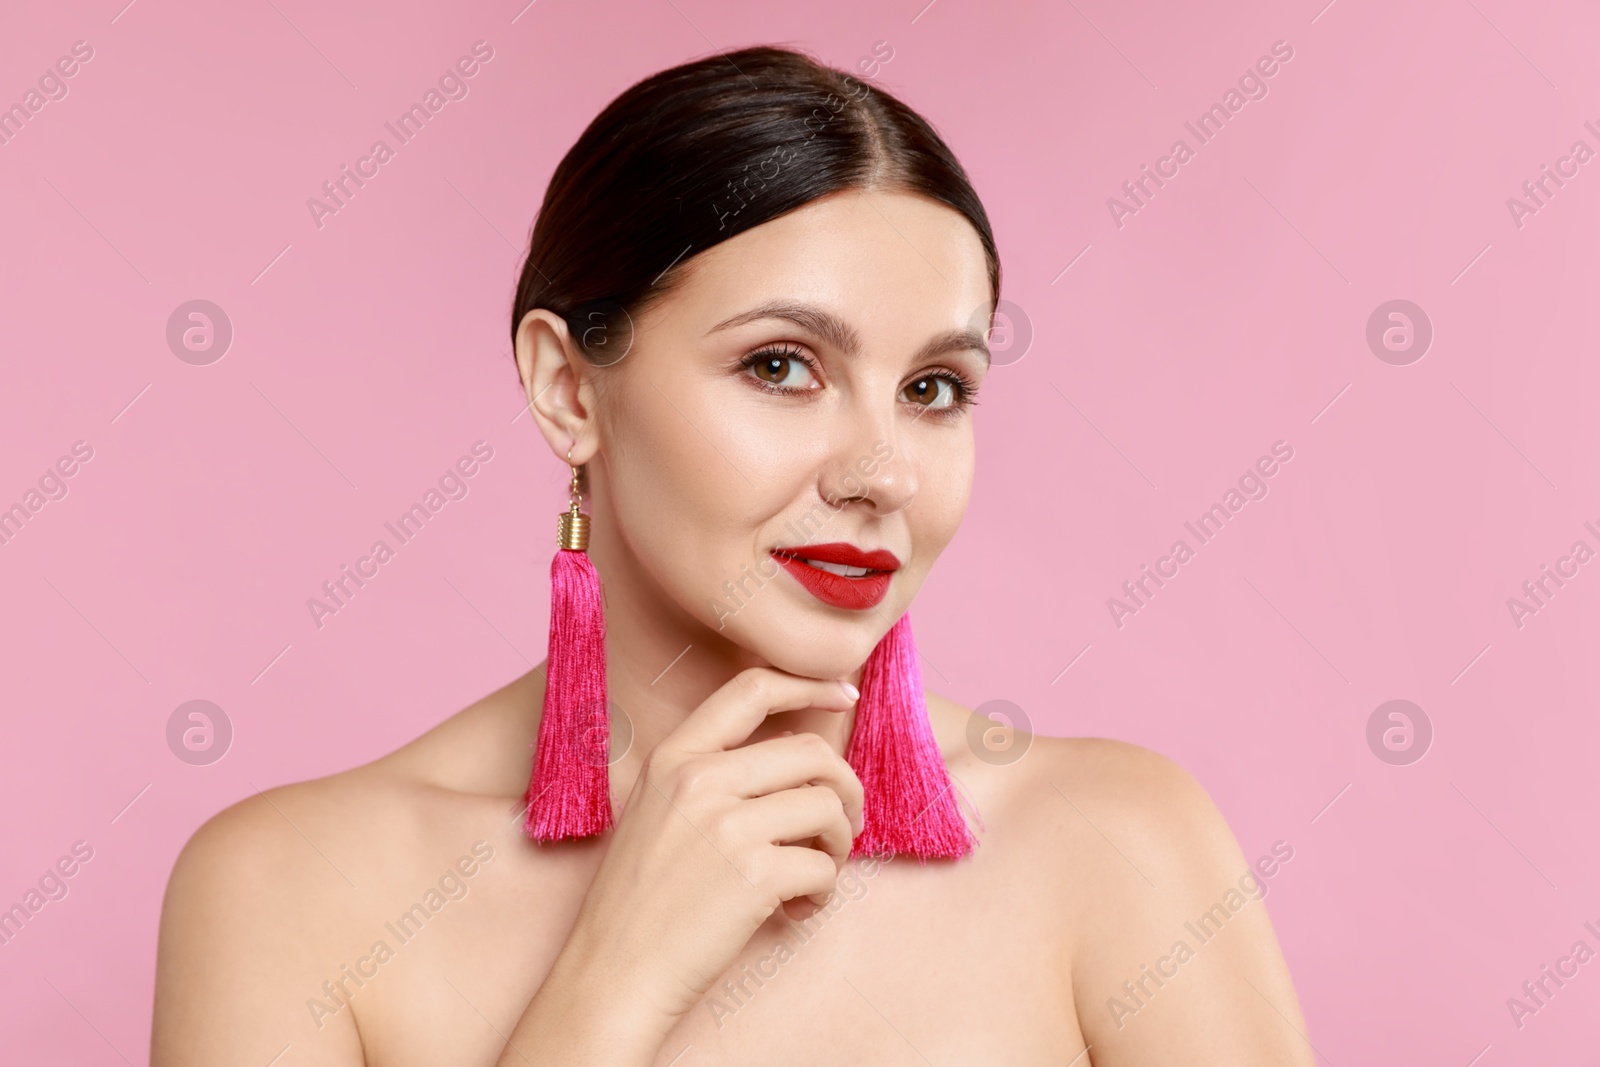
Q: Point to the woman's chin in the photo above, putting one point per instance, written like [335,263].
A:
[814,644]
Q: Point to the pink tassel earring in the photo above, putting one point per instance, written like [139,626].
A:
[569,793]
[909,806]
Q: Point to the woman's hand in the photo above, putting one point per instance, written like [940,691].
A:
[714,838]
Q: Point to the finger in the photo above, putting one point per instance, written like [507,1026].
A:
[802,873]
[800,909]
[787,762]
[729,716]
[814,818]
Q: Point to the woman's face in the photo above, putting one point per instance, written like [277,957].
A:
[805,384]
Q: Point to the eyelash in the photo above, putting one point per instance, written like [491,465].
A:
[966,389]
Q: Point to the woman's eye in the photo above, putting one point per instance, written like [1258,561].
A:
[785,372]
[931,392]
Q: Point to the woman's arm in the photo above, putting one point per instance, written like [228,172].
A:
[1175,959]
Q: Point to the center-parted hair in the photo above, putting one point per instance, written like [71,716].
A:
[689,157]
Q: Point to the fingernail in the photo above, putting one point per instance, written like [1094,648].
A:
[851,691]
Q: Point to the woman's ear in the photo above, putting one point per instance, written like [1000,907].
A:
[559,384]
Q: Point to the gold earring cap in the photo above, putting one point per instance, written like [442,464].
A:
[572,530]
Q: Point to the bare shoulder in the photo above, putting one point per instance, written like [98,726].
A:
[480,751]
[1165,929]
[266,897]
[1149,799]
[287,841]
[1034,782]
[255,900]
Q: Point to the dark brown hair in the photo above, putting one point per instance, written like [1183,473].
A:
[692,156]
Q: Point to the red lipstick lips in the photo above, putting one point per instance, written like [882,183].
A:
[848,578]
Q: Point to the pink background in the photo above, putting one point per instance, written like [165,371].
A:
[1224,316]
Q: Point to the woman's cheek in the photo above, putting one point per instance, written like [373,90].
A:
[945,488]
[762,441]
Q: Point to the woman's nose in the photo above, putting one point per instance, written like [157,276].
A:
[871,468]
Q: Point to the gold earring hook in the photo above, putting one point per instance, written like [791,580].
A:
[572,527]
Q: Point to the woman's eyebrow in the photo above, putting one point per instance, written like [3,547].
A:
[841,335]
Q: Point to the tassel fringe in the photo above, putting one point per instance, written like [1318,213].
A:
[569,794]
[909,806]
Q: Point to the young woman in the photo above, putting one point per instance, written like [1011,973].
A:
[748,316]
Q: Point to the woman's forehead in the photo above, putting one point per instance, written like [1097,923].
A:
[879,256]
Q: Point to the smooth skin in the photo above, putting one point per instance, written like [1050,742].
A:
[656,943]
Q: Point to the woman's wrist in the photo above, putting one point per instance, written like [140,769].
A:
[594,1009]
